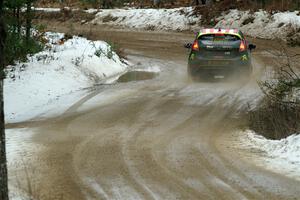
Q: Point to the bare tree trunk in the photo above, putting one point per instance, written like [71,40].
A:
[263,4]
[18,20]
[3,166]
[141,3]
[196,2]
[28,19]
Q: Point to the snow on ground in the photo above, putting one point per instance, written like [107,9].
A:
[20,150]
[149,19]
[282,156]
[150,68]
[55,78]
[262,24]
[47,9]
[92,11]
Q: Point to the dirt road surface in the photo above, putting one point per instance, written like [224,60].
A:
[163,138]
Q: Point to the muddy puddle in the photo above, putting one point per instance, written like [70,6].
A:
[136,76]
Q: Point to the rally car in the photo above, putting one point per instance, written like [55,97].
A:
[219,53]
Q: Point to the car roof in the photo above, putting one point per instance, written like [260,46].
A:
[221,31]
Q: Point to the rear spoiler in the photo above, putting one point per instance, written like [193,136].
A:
[220,31]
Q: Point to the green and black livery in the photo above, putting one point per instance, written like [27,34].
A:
[219,53]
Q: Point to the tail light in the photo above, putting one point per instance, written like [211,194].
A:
[242,46]
[195,46]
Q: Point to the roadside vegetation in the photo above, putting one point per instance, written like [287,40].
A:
[211,11]
[65,14]
[20,40]
[26,36]
[280,5]
[83,3]
[278,116]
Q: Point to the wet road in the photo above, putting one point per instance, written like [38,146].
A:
[162,138]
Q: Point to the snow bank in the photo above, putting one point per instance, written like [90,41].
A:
[262,24]
[149,19]
[47,9]
[279,155]
[92,11]
[54,79]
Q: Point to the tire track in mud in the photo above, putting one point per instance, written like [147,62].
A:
[143,153]
[113,146]
[134,149]
[198,159]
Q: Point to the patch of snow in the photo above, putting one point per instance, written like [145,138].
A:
[44,9]
[149,19]
[16,194]
[96,187]
[282,156]
[51,9]
[154,68]
[20,149]
[92,11]
[18,144]
[41,85]
[121,190]
[294,95]
[47,9]
[261,24]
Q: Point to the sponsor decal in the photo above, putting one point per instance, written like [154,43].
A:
[244,58]
[192,56]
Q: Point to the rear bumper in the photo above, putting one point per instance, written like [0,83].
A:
[219,67]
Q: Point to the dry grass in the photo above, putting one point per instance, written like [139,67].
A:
[271,5]
[65,15]
[210,12]
[293,36]
[150,28]
[57,4]
[109,18]
[279,113]
[275,120]
[248,20]
[285,5]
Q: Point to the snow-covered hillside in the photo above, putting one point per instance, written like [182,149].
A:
[55,78]
[178,19]
[262,24]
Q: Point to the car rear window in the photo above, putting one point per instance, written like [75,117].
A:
[219,37]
